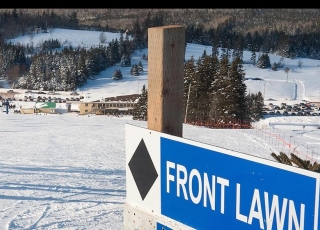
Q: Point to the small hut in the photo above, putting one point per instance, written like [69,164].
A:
[46,107]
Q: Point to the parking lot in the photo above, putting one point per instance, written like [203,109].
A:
[283,109]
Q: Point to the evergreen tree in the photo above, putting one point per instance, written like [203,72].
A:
[189,90]
[263,62]
[81,66]
[140,110]
[215,48]
[140,67]
[158,19]
[134,70]
[73,19]
[248,42]
[147,23]
[92,64]
[205,77]
[254,106]
[204,54]
[128,45]
[274,66]
[253,56]
[15,15]
[236,92]
[122,45]
[219,94]
[214,88]
[238,47]
[117,75]
[224,53]
[125,61]
[137,34]
[115,51]
[283,45]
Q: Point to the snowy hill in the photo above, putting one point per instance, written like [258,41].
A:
[68,171]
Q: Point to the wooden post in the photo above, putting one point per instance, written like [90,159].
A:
[166,51]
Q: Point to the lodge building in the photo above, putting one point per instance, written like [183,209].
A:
[110,106]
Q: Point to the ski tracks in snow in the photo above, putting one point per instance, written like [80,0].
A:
[30,215]
[300,90]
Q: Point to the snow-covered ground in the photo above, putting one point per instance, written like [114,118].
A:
[68,171]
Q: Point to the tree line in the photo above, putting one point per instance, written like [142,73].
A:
[216,85]
[214,94]
[292,39]
[285,32]
[63,70]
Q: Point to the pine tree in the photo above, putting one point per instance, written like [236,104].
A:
[112,52]
[205,77]
[140,110]
[189,81]
[128,46]
[263,62]
[254,106]
[140,67]
[237,92]
[219,91]
[253,56]
[125,60]
[122,45]
[135,70]
[147,23]
[215,48]
[248,42]
[238,47]
[214,87]
[117,75]
[137,35]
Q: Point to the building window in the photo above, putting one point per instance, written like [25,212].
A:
[86,111]
[86,104]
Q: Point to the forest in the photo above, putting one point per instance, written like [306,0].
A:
[289,33]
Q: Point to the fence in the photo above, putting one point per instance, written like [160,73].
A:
[273,136]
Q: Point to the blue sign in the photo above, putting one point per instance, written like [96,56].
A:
[207,189]
[162,227]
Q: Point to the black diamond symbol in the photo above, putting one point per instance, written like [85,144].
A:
[143,171]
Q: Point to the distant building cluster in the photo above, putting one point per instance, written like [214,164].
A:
[50,103]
